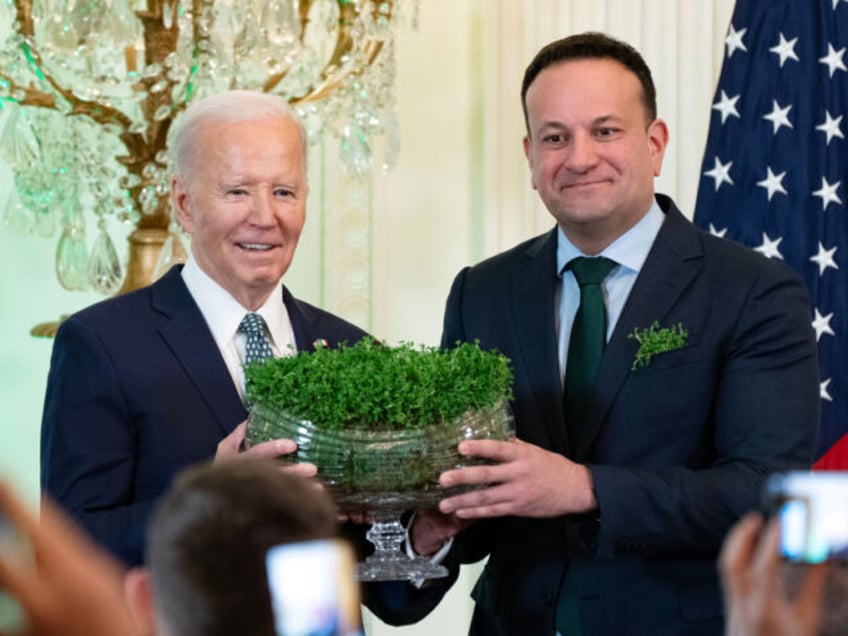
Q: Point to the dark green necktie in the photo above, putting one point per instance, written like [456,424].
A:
[587,342]
[585,348]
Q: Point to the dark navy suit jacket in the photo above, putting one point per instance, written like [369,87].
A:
[137,391]
[678,450]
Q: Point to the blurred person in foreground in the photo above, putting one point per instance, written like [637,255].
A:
[607,513]
[207,549]
[149,382]
[756,594]
[64,583]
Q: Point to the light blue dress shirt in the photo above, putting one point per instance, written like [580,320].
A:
[629,250]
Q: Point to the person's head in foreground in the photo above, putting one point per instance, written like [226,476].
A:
[207,544]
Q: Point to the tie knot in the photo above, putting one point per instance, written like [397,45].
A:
[252,325]
[590,271]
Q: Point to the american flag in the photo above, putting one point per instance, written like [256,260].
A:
[775,169]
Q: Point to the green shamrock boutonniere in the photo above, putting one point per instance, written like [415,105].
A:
[655,340]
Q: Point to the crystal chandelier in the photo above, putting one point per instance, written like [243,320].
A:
[93,88]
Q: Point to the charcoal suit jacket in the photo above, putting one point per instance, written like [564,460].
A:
[677,450]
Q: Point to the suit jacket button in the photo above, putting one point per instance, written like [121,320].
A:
[549,599]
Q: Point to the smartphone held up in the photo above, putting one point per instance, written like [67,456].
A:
[813,511]
[313,590]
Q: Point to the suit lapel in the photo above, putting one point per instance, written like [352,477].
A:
[303,325]
[533,289]
[193,345]
[672,264]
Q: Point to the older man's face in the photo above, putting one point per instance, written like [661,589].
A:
[246,205]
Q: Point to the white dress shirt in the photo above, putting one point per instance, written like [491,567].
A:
[223,314]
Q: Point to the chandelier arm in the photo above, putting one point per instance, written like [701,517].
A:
[32,96]
[304,7]
[344,44]
[23,16]
[326,87]
[101,113]
[198,36]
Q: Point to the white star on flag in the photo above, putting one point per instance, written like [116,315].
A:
[717,232]
[822,324]
[779,116]
[768,248]
[734,41]
[830,127]
[721,173]
[827,192]
[727,106]
[773,183]
[786,50]
[833,59]
[823,392]
[824,258]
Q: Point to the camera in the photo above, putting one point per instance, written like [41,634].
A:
[813,513]
[313,590]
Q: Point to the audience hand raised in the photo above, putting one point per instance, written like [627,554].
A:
[756,601]
[67,586]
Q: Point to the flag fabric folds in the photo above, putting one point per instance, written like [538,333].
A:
[775,169]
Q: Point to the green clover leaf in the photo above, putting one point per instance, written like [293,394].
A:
[655,340]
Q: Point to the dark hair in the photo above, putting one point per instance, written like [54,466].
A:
[208,538]
[592,45]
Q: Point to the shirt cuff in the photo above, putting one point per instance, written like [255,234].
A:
[436,559]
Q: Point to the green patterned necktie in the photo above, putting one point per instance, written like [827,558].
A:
[256,345]
[587,342]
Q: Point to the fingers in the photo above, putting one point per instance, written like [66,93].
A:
[229,446]
[20,516]
[431,529]
[496,501]
[473,476]
[304,469]
[272,448]
[766,563]
[491,449]
[738,550]
[10,580]
[808,603]
[359,517]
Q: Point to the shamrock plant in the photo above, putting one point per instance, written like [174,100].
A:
[654,340]
[369,385]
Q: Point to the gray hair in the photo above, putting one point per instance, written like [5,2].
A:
[229,107]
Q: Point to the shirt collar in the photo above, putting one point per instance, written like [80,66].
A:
[223,313]
[629,250]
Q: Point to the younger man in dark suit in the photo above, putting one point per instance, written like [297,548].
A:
[607,513]
[147,383]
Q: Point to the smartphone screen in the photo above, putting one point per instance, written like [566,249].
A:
[813,513]
[313,591]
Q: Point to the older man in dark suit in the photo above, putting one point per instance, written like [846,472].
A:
[144,384]
[660,375]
